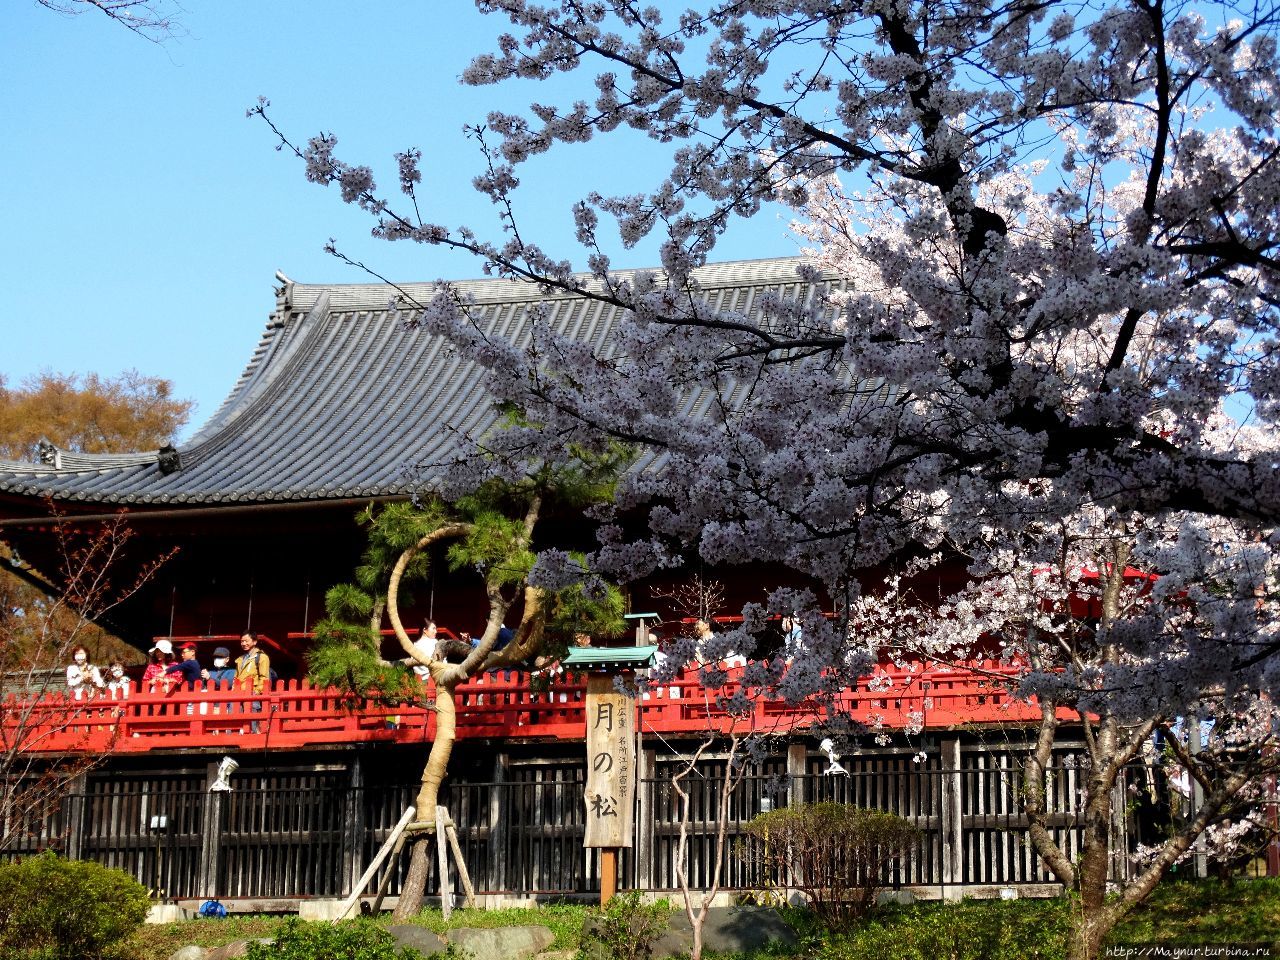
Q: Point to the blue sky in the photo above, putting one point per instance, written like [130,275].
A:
[144,216]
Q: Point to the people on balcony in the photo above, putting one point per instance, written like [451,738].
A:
[793,637]
[505,636]
[83,678]
[161,656]
[253,670]
[546,670]
[703,635]
[119,685]
[223,674]
[426,645]
[455,651]
[187,670]
[253,667]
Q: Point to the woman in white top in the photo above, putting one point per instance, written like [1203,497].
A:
[83,678]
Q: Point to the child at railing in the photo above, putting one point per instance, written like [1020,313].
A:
[118,685]
[223,675]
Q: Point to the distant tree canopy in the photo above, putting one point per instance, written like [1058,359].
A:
[83,414]
[89,414]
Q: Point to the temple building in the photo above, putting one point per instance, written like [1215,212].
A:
[337,400]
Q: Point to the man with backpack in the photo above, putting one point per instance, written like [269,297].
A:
[252,667]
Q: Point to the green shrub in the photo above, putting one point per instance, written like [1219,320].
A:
[360,939]
[836,854]
[976,930]
[67,909]
[625,929]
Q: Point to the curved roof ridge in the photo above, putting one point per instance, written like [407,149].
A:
[72,462]
[369,296]
[337,397]
[285,329]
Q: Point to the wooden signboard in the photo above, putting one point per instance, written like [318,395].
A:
[611,764]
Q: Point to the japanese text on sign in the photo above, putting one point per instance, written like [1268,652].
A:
[610,792]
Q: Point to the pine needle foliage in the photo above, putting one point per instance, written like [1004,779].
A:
[491,539]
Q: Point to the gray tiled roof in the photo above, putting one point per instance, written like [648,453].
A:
[338,398]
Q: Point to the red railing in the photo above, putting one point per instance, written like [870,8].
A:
[500,704]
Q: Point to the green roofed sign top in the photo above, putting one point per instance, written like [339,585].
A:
[610,658]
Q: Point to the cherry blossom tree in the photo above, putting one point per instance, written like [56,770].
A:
[1122,660]
[38,632]
[1037,334]
[152,20]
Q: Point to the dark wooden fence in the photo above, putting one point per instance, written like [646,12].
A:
[282,835]
[309,833]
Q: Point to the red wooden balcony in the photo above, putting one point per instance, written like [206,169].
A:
[295,714]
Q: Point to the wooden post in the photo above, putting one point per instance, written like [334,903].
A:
[353,824]
[797,773]
[464,875]
[210,836]
[78,786]
[613,754]
[797,795]
[499,817]
[1273,819]
[1200,858]
[611,776]
[643,860]
[1118,840]
[950,827]
[608,874]
[387,874]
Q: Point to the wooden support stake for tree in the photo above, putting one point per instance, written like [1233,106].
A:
[464,875]
[391,841]
[442,861]
[387,873]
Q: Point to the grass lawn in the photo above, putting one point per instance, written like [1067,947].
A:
[1208,912]
[1180,913]
[159,941]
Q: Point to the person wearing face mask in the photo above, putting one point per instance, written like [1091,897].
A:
[223,673]
[83,678]
[118,685]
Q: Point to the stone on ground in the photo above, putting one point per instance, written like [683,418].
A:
[236,948]
[189,952]
[420,938]
[502,943]
[727,929]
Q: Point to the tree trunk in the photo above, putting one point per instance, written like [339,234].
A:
[415,881]
[1095,919]
[1095,854]
[1086,938]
